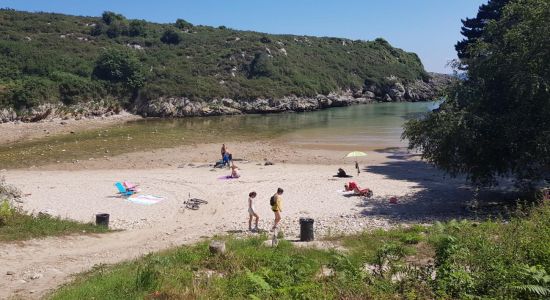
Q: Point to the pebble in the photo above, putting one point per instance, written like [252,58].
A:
[10,273]
[36,276]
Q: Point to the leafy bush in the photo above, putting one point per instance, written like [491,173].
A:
[261,65]
[32,91]
[137,28]
[536,282]
[110,17]
[183,25]
[98,29]
[119,66]
[117,28]
[74,89]
[490,259]
[6,212]
[171,36]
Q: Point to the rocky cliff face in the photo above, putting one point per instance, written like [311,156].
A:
[175,107]
[49,111]
[183,107]
[392,92]
[419,90]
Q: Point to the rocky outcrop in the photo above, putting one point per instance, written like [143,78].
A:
[50,111]
[176,107]
[394,91]
[184,107]
[420,90]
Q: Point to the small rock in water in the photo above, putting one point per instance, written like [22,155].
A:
[36,276]
[10,273]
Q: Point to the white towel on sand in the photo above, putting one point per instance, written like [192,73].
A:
[145,199]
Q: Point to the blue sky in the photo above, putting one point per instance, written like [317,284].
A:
[427,27]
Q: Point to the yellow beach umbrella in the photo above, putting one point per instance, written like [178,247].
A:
[356,154]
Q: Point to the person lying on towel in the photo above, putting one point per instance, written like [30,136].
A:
[352,186]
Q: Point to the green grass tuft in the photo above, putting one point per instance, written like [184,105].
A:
[16,225]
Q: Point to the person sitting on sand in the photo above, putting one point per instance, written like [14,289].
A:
[226,159]
[223,150]
[252,212]
[234,171]
[342,174]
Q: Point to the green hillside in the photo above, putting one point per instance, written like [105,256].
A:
[53,58]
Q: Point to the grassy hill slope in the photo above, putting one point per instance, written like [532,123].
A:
[54,58]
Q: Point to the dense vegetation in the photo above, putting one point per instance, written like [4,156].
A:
[53,58]
[497,121]
[455,260]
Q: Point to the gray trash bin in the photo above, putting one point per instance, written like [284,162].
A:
[306,229]
[102,220]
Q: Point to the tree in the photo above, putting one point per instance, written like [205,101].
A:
[170,36]
[119,66]
[473,28]
[98,29]
[183,25]
[109,17]
[117,28]
[261,65]
[137,28]
[496,122]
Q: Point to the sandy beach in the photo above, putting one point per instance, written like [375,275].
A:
[82,188]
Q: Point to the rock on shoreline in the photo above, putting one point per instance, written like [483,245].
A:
[174,107]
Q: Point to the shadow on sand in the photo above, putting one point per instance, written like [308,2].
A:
[435,196]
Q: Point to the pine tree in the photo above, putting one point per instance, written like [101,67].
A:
[473,28]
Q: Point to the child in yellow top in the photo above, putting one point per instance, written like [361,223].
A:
[277,207]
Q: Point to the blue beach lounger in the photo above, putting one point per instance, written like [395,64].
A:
[122,190]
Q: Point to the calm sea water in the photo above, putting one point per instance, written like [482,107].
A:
[354,127]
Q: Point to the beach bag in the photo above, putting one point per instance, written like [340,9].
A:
[272,200]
